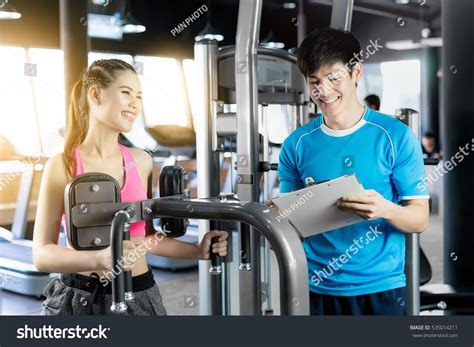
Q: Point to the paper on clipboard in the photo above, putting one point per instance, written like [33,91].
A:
[313,210]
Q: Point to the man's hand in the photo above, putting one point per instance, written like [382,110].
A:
[218,247]
[370,206]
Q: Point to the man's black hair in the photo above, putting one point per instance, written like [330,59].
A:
[373,99]
[430,135]
[327,46]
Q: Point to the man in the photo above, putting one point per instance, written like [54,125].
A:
[372,101]
[429,146]
[358,269]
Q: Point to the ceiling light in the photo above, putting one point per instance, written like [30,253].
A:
[101,2]
[272,42]
[289,5]
[132,26]
[425,33]
[209,33]
[432,41]
[402,45]
[7,11]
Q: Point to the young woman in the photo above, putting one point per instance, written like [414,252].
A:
[104,103]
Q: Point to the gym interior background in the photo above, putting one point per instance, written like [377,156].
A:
[417,60]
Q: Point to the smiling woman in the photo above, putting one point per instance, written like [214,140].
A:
[104,91]
[105,102]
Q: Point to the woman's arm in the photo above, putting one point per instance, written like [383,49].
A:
[166,247]
[159,244]
[47,255]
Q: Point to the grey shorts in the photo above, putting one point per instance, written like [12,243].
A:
[82,295]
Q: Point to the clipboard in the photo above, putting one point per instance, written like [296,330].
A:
[312,210]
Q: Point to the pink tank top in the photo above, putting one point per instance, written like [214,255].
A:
[132,189]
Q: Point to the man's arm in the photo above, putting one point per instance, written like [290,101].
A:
[408,178]
[411,218]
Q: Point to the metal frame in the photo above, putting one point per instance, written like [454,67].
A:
[248,29]
[412,272]
[26,279]
[341,15]
[412,241]
[20,219]
[283,238]
[205,55]
[213,122]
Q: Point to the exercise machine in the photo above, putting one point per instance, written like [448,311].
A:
[411,118]
[95,218]
[16,257]
[447,298]
[239,85]
[451,299]
[163,156]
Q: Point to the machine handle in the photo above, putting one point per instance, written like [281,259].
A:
[129,296]
[118,282]
[245,250]
[216,259]
[265,166]
[431,161]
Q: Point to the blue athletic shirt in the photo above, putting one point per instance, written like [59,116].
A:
[367,257]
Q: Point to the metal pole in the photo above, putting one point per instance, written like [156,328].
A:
[20,219]
[74,41]
[248,28]
[283,238]
[266,195]
[412,241]
[301,29]
[412,272]
[430,92]
[205,55]
[412,246]
[341,16]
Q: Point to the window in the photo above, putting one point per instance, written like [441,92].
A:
[33,102]
[401,85]
[397,83]
[371,83]
[191,84]
[47,95]
[32,99]
[164,95]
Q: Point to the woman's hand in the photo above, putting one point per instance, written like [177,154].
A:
[218,247]
[370,206]
[130,255]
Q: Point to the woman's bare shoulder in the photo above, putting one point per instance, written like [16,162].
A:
[55,170]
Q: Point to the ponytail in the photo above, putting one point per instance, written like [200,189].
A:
[77,125]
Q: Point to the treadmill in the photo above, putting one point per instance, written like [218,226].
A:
[16,254]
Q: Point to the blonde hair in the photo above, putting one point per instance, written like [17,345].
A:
[101,73]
